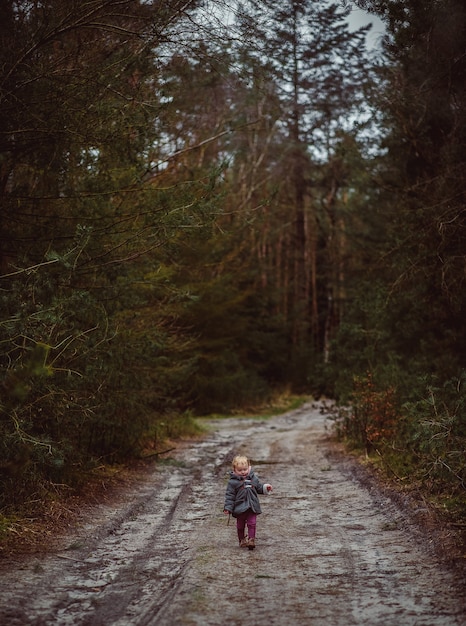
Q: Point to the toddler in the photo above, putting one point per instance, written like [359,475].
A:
[241,499]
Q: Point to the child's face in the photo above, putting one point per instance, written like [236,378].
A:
[242,469]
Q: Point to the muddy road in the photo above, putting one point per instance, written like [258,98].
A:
[331,550]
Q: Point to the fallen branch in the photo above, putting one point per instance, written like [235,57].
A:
[148,456]
[68,558]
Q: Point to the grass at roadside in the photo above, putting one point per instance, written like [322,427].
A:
[280,404]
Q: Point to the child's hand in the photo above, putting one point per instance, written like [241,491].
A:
[267,488]
[226,512]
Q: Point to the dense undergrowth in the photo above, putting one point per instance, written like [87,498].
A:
[419,444]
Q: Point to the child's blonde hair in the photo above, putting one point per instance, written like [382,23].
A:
[240,459]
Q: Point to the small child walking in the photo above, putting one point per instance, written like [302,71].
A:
[241,499]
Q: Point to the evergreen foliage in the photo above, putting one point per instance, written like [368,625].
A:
[406,321]
[194,216]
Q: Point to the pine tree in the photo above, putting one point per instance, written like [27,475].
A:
[317,68]
[79,113]
[423,106]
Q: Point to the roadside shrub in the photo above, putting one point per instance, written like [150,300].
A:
[372,420]
[434,432]
[80,386]
[420,441]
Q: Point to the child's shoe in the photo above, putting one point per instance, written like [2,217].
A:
[251,544]
[243,543]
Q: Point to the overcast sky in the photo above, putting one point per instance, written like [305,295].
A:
[358,18]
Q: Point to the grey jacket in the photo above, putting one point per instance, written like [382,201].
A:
[241,493]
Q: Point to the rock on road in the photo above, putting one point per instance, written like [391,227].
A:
[330,551]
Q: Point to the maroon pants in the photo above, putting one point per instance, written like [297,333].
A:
[248,518]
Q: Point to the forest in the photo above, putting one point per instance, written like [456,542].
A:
[206,204]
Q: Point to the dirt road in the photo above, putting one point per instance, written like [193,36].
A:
[330,551]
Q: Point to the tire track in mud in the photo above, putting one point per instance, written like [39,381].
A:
[330,552]
[126,563]
[104,575]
